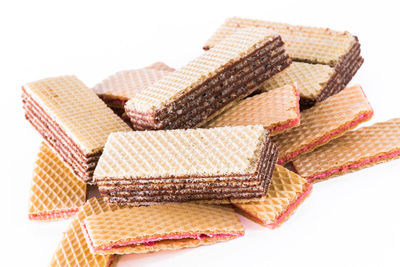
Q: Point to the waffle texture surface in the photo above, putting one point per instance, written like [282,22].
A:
[306,44]
[141,225]
[177,153]
[276,110]
[311,79]
[78,111]
[285,190]
[325,121]
[124,85]
[354,150]
[56,192]
[73,249]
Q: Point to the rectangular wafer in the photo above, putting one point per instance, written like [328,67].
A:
[353,151]
[339,50]
[276,110]
[121,86]
[145,167]
[211,83]
[73,249]
[56,192]
[72,119]
[160,227]
[286,192]
[325,121]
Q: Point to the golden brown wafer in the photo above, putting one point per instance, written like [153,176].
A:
[286,192]
[158,227]
[325,121]
[355,150]
[276,110]
[56,192]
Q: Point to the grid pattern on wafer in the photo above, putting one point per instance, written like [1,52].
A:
[55,190]
[73,249]
[285,188]
[268,109]
[158,221]
[179,153]
[174,85]
[326,120]
[78,110]
[311,79]
[352,148]
[124,85]
[308,44]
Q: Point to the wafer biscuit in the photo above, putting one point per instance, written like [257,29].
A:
[72,119]
[306,44]
[286,192]
[154,162]
[151,228]
[73,249]
[339,50]
[56,192]
[121,86]
[311,79]
[353,151]
[210,83]
[325,121]
[276,110]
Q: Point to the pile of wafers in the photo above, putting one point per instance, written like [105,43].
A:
[246,127]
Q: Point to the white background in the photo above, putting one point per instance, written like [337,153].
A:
[352,220]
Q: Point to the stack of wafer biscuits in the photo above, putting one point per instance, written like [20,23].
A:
[339,50]
[142,168]
[209,84]
[164,186]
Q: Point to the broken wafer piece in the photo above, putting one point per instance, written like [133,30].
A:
[157,227]
[73,249]
[353,151]
[56,192]
[72,119]
[211,83]
[287,191]
[121,86]
[276,110]
[311,80]
[325,121]
[339,50]
[146,167]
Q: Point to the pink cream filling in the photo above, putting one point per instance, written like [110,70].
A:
[357,165]
[152,241]
[361,117]
[53,215]
[283,216]
[293,122]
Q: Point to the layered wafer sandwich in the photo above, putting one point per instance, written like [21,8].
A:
[324,122]
[338,51]
[160,227]
[118,88]
[355,150]
[146,167]
[72,119]
[209,84]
